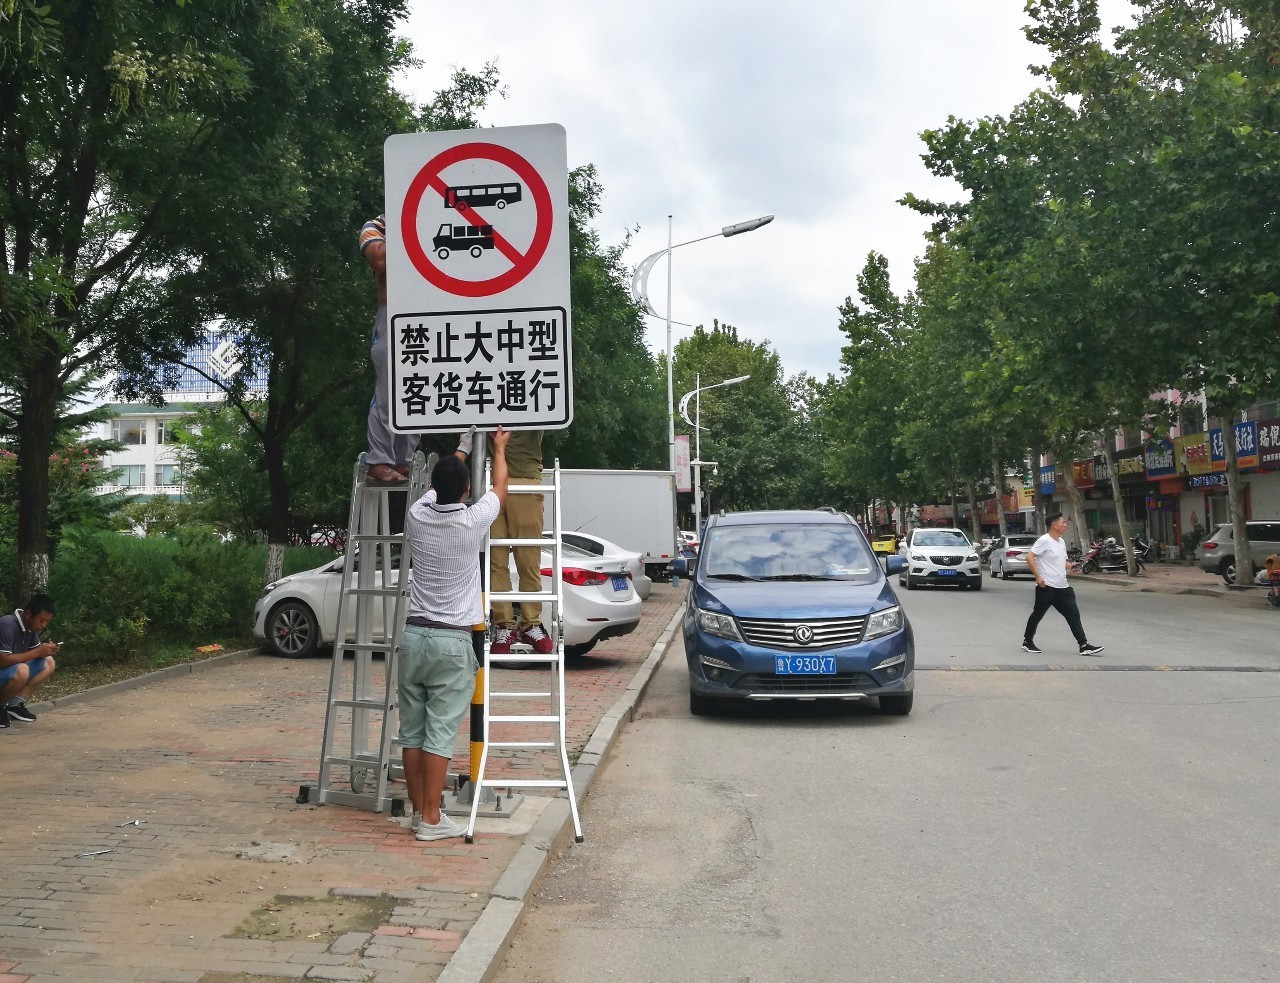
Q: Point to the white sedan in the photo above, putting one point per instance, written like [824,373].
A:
[295,615]
[606,550]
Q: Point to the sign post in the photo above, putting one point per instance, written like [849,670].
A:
[478,279]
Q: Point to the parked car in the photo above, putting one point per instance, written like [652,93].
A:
[295,615]
[689,540]
[794,606]
[597,546]
[1217,554]
[939,556]
[1009,556]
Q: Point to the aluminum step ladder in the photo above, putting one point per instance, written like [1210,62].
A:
[371,611]
[545,730]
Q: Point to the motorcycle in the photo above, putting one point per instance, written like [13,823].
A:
[1106,556]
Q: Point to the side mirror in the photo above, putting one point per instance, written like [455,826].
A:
[679,566]
[894,564]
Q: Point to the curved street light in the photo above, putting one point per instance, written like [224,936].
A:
[640,294]
[696,423]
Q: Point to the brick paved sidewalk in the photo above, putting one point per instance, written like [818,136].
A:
[227,878]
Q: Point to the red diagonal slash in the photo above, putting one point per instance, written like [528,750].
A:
[464,209]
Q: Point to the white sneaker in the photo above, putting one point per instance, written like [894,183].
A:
[442,830]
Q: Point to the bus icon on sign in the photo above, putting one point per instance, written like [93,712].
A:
[479,195]
[474,239]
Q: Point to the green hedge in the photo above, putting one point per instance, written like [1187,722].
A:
[117,594]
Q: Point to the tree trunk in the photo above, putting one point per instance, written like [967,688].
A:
[1076,501]
[997,476]
[1235,494]
[972,488]
[1118,496]
[278,514]
[955,500]
[37,408]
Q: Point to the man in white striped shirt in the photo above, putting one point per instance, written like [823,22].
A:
[436,667]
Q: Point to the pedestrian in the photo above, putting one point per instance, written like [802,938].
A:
[1048,561]
[520,518]
[390,454]
[436,666]
[26,663]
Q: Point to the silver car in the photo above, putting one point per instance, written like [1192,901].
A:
[939,556]
[1009,556]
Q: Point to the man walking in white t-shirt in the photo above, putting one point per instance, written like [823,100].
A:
[1048,561]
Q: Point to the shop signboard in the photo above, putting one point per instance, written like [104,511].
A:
[1083,473]
[1269,445]
[1046,480]
[1159,460]
[1246,445]
[1213,480]
[1129,466]
[1194,453]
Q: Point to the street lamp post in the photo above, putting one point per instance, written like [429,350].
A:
[639,294]
[696,423]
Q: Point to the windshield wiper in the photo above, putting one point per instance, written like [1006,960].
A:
[730,576]
[795,576]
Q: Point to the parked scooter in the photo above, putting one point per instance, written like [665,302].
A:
[1107,556]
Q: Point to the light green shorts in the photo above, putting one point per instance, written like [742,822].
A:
[436,671]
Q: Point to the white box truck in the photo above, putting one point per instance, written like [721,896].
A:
[633,509]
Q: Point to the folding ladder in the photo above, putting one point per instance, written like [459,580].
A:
[551,700]
[371,608]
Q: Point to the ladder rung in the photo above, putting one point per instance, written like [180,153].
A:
[376,537]
[391,591]
[524,783]
[511,744]
[360,704]
[531,489]
[366,646]
[516,695]
[520,595]
[519,658]
[521,718]
[371,761]
[545,543]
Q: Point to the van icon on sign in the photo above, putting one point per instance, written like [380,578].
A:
[474,239]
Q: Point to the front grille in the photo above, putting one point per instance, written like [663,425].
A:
[947,561]
[844,682]
[782,634]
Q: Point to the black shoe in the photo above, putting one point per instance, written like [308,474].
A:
[4,717]
[1087,649]
[20,713]
[1029,646]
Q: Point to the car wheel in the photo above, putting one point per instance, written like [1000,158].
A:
[897,705]
[976,583]
[1090,566]
[994,572]
[702,706]
[1006,576]
[293,630]
[578,651]
[1228,571]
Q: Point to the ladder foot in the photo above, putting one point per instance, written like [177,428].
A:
[397,808]
[577,839]
[304,794]
[469,839]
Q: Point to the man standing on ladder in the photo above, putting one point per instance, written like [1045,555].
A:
[436,663]
[521,518]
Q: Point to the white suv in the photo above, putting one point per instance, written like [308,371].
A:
[1217,554]
[939,556]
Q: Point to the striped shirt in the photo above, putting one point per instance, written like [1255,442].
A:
[374,230]
[445,542]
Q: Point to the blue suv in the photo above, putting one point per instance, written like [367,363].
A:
[795,606]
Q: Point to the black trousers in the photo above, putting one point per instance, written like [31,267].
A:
[1062,598]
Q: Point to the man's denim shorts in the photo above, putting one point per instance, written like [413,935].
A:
[36,666]
[436,671]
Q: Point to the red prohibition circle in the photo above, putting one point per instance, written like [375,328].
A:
[429,177]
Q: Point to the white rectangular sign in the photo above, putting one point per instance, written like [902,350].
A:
[478,279]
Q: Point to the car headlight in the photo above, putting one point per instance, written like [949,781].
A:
[918,558]
[270,587]
[722,625]
[973,558]
[883,622]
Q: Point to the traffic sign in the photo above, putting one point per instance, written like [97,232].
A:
[478,279]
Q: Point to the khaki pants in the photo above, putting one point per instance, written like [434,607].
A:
[520,518]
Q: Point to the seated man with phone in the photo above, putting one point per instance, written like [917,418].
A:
[25,661]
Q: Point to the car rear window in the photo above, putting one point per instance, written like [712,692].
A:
[795,551]
[1022,540]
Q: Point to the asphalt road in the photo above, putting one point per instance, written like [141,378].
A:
[1071,824]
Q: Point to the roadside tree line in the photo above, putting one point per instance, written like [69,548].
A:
[1118,250]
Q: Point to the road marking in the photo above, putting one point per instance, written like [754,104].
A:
[1097,668]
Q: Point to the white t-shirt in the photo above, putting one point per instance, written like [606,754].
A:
[445,542]
[1051,560]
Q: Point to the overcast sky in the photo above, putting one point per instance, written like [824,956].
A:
[716,112]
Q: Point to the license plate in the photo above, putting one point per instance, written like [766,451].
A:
[804,665]
[946,573]
[619,583]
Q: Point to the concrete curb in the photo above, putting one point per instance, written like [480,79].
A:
[160,675]
[1141,585]
[477,957]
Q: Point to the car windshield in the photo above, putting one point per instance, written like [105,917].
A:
[1022,540]
[940,537]
[795,551]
